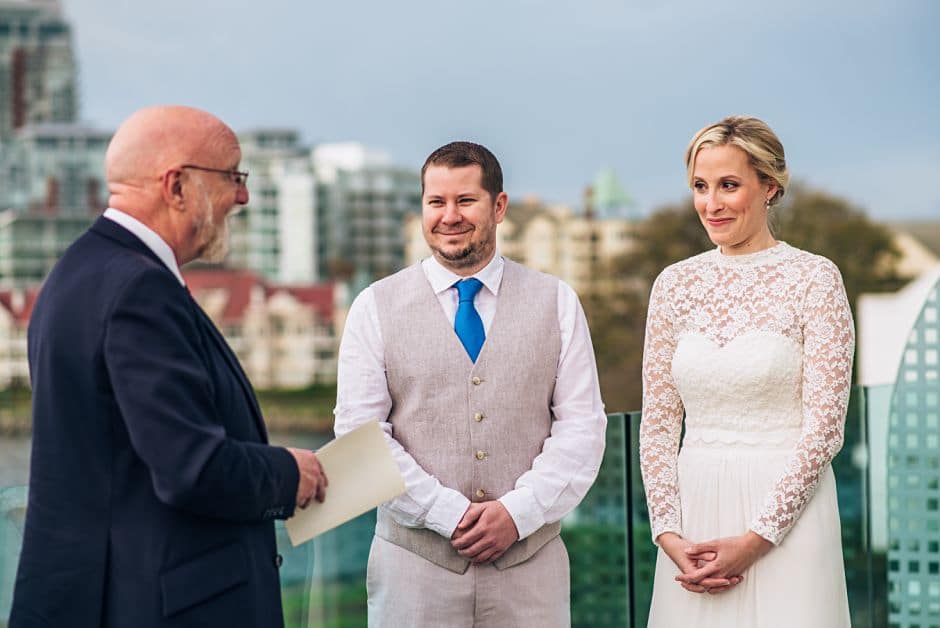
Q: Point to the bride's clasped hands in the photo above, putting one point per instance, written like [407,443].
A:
[713,566]
[723,559]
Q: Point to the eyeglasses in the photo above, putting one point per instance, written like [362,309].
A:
[237,177]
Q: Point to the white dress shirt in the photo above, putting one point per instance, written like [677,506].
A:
[554,485]
[149,237]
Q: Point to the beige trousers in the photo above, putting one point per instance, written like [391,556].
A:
[407,591]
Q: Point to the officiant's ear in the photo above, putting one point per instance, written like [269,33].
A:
[171,188]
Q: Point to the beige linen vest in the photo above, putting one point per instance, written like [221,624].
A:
[475,427]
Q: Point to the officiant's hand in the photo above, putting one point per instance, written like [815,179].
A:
[485,532]
[732,555]
[313,480]
[676,548]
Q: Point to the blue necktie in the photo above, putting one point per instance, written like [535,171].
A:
[467,323]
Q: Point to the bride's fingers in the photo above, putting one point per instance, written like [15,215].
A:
[694,588]
[711,583]
[701,548]
[732,582]
[705,556]
[695,577]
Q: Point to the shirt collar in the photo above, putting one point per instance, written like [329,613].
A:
[149,237]
[442,278]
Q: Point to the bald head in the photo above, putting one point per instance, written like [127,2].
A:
[185,206]
[155,139]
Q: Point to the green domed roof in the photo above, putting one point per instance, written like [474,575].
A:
[610,200]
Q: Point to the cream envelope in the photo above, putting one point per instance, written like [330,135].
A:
[362,475]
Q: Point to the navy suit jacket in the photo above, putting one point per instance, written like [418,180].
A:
[152,488]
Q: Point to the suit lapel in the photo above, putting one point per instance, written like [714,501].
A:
[112,230]
[235,367]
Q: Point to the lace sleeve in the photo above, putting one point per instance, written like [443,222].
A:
[662,414]
[828,348]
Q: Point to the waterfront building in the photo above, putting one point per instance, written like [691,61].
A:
[51,188]
[285,336]
[362,200]
[609,199]
[32,242]
[15,308]
[37,68]
[275,233]
[913,478]
[54,168]
[51,167]
[333,212]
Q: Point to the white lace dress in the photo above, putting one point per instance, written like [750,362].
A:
[756,350]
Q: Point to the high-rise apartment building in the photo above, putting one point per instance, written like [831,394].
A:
[275,234]
[54,168]
[51,167]
[336,212]
[32,242]
[37,68]
[362,201]
[51,188]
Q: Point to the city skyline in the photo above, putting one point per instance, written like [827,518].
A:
[558,93]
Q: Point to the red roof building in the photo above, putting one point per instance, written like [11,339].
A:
[285,336]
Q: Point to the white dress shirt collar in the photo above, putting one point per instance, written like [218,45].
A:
[149,237]
[442,278]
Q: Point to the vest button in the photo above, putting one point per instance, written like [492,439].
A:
[481,455]
[478,417]
[480,493]
[278,561]
[476,381]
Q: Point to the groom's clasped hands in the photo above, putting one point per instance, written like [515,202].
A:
[485,532]
[713,566]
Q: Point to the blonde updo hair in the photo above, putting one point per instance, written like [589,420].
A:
[753,136]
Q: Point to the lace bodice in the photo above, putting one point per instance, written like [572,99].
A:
[753,349]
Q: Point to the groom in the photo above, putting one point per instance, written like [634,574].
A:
[482,374]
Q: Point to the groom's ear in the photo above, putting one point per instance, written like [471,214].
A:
[502,204]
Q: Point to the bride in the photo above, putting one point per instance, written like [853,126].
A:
[753,342]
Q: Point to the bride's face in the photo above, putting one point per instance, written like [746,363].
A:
[731,200]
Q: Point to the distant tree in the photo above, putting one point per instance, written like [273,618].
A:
[617,331]
[830,226]
[808,219]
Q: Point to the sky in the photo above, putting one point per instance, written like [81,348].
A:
[557,90]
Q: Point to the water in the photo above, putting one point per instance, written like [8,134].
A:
[14,461]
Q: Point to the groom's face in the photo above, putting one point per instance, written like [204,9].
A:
[460,217]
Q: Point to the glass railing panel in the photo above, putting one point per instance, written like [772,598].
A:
[595,534]
[295,574]
[12,514]
[852,468]
[642,550]
[608,535]
[337,576]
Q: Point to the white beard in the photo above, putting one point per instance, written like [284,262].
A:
[213,236]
